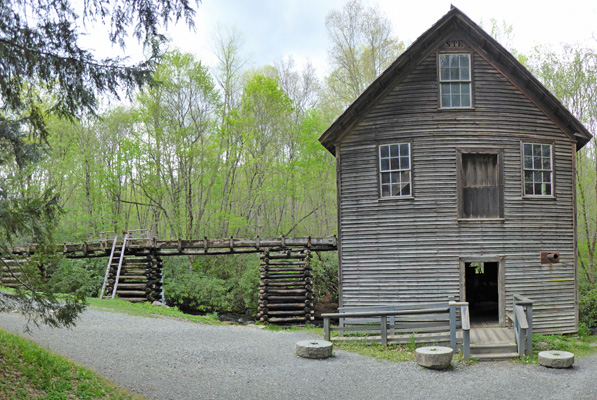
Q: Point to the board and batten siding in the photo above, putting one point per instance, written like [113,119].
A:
[409,250]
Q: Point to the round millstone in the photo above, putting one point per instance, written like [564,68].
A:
[556,359]
[318,349]
[434,357]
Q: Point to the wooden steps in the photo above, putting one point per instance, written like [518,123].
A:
[493,344]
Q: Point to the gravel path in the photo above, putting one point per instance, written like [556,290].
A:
[170,359]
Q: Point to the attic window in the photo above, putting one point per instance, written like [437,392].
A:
[394,170]
[538,177]
[455,80]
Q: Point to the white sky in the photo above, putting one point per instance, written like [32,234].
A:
[279,28]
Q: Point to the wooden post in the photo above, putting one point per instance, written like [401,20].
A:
[326,328]
[529,346]
[384,330]
[466,332]
[452,324]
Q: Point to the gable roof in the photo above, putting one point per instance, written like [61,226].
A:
[487,47]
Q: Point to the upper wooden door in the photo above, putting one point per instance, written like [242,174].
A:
[480,185]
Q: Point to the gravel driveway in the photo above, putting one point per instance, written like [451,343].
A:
[170,359]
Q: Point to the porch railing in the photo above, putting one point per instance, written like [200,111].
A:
[523,324]
[385,315]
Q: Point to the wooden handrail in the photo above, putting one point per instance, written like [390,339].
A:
[522,310]
[384,314]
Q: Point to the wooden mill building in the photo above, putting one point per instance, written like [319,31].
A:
[456,177]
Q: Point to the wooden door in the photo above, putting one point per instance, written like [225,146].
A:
[480,186]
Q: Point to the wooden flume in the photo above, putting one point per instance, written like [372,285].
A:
[286,280]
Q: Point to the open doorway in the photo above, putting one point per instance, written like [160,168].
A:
[481,288]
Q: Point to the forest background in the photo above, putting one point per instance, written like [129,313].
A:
[233,151]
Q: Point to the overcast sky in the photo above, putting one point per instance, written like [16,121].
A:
[279,28]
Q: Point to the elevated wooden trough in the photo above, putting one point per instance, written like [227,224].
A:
[134,269]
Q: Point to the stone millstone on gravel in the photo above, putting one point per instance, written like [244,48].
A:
[556,359]
[434,357]
[318,349]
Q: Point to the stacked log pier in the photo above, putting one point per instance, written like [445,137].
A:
[140,278]
[10,272]
[12,269]
[286,287]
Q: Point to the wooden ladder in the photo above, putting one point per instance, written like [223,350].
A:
[109,267]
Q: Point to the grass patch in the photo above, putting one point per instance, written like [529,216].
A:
[293,328]
[390,352]
[27,371]
[145,309]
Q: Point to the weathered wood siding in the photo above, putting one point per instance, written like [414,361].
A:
[405,250]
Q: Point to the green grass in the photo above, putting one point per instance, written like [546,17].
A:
[147,310]
[27,371]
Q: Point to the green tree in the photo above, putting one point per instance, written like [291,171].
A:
[43,73]
[363,46]
[572,76]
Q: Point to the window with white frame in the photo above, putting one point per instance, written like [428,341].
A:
[395,170]
[538,169]
[455,80]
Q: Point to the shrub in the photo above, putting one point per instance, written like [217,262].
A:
[225,284]
[325,276]
[83,276]
[587,305]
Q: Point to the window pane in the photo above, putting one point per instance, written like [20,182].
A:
[454,74]
[404,163]
[385,164]
[395,176]
[444,61]
[406,190]
[537,177]
[465,88]
[528,176]
[396,190]
[528,162]
[385,190]
[384,151]
[455,101]
[394,163]
[546,151]
[528,150]
[444,74]
[404,149]
[445,89]
[385,178]
[446,101]
[464,60]
[536,162]
[405,176]
[394,150]
[528,188]
[465,100]
[537,188]
[536,150]
[546,177]
[547,189]
[546,162]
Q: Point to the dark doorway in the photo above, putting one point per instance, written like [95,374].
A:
[481,279]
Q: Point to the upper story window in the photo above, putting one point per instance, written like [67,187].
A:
[538,169]
[455,80]
[395,170]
